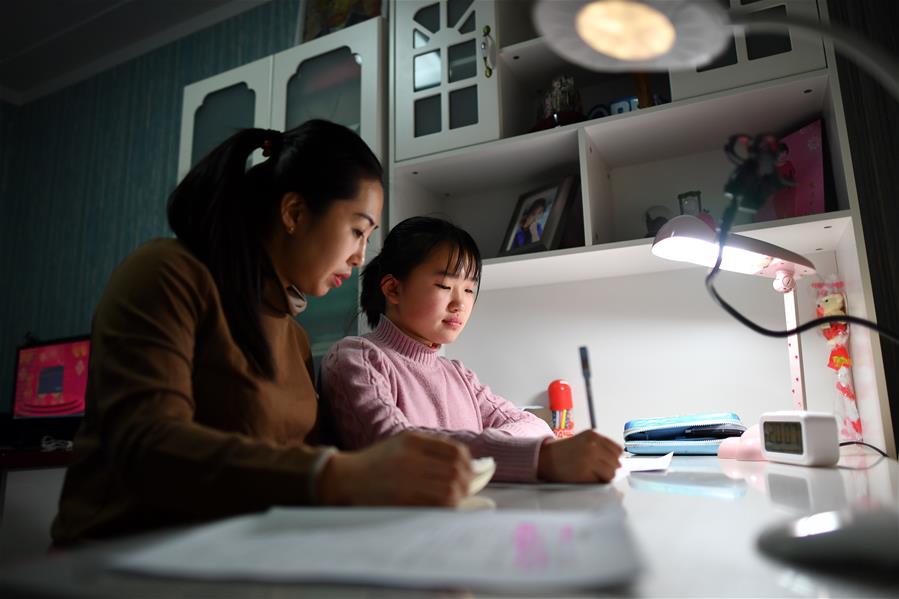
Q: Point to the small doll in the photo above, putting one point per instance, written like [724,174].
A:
[832,302]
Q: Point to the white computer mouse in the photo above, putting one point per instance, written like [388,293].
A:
[859,538]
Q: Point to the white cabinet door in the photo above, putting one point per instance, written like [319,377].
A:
[444,96]
[756,57]
[215,108]
[337,77]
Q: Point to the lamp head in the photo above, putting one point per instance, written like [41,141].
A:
[685,238]
[634,35]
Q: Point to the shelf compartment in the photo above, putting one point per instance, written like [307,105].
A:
[526,70]
[701,124]
[806,235]
[636,160]
[478,189]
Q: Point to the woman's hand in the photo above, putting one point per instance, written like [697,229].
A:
[408,469]
[587,457]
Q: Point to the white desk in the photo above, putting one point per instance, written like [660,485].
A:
[696,527]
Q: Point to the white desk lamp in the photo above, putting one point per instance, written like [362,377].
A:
[687,239]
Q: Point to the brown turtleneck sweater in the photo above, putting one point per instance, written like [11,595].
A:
[179,428]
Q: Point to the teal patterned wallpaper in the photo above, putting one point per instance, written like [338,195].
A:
[7,135]
[85,173]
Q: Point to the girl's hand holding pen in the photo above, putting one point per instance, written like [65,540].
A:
[588,457]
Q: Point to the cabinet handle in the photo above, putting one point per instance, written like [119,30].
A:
[487,45]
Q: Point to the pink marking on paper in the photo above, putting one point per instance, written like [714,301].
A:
[530,552]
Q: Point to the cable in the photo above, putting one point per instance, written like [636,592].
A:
[49,443]
[869,466]
[877,449]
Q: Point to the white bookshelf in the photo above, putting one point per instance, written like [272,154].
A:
[627,163]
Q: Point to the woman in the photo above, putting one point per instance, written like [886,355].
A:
[200,400]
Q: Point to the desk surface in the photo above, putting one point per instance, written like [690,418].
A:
[12,459]
[695,526]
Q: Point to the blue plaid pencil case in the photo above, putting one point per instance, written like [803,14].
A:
[692,434]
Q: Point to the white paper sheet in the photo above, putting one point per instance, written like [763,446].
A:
[484,469]
[631,464]
[519,551]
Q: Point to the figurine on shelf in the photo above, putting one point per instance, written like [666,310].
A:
[691,203]
[656,216]
[561,105]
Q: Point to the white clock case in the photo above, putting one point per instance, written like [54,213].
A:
[820,438]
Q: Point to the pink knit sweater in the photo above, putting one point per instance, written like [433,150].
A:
[386,382]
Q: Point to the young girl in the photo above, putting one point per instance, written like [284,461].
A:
[417,295]
[200,402]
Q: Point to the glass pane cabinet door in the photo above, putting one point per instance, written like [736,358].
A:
[337,77]
[222,112]
[446,92]
[755,57]
[215,108]
[328,86]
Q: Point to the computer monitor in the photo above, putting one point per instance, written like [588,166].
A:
[48,401]
[51,379]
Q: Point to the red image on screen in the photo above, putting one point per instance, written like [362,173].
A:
[51,379]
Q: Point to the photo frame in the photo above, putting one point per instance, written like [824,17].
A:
[537,221]
[321,17]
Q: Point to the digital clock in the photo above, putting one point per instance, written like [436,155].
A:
[805,438]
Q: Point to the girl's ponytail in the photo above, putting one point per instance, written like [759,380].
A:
[371,299]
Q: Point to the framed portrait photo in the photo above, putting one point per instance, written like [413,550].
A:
[536,223]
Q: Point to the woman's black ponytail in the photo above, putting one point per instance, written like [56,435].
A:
[208,211]
[408,245]
[223,212]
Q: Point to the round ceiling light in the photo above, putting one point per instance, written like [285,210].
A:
[634,35]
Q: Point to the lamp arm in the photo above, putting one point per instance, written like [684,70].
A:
[881,65]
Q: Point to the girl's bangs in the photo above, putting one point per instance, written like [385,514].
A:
[464,259]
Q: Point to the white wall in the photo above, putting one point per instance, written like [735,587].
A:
[658,346]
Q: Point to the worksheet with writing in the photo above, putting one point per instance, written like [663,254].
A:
[519,551]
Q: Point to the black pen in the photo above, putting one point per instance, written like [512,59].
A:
[585,368]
